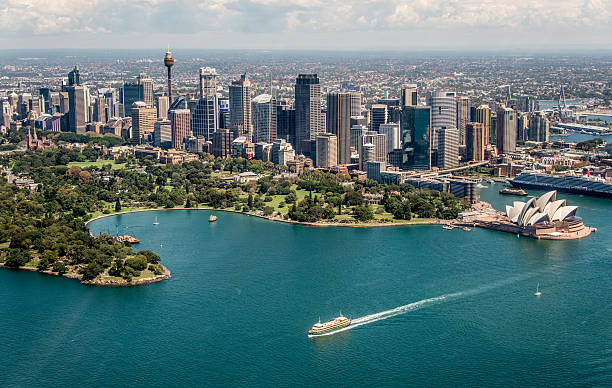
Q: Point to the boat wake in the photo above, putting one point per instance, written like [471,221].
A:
[365,320]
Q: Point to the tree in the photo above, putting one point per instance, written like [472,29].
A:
[151,256]
[43,264]
[138,262]
[117,205]
[363,213]
[91,271]
[16,258]
[60,267]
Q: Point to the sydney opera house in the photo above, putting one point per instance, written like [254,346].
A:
[547,217]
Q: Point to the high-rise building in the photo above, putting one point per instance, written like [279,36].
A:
[74,77]
[416,133]
[162,134]
[78,108]
[338,123]
[285,122]
[483,116]
[392,131]
[222,143]
[307,110]
[240,107]
[99,111]
[367,153]
[522,126]
[448,147]
[475,142]
[180,121]
[162,105]
[327,150]
[208,81]
[282,152]
[356,132]
[205,117]
[443,109]
[355,103]
[378,115]
[143,121]
[379,151]
[264,118]
[409,95]
[539,127]
[463,116]
[130,93]
[506,130]
[147,88]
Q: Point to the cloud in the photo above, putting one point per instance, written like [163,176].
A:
[298,18]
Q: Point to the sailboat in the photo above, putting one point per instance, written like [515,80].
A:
[156,223]
[538,293]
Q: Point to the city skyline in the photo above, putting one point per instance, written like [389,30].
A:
[298,24]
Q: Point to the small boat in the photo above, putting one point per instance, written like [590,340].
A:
[156,223]
[466,229]
[126,239]
[509,191]
[448,227]
[320,329]
[538,293]
[212,218]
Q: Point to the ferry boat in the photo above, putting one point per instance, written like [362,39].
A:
[509,191]
[212,218]
[329,327]
[575,184]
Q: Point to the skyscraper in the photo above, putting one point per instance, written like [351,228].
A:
[264,118]
[162,134]
[355,103]
[392,131]
[130,93]
[463,116]
[448,147]
[475,141]
[180,121]
[408,95]
[143,121]
[78,108]
[379,141]
[416,133]
[539,127]
[483,116]
[240,107]
[147,88]
[443,109]
[327,150]
[378,115]
[162,104]
[208,81]
[74,77]
[506,130]
[339,123]
[307,110]
[285,122]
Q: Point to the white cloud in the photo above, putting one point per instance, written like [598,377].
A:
[19,18]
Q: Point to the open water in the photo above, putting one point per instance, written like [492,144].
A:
[435,307]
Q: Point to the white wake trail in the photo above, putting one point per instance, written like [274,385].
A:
[426,303]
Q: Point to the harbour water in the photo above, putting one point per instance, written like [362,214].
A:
[437,307]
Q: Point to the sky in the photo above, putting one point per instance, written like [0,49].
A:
[308,24]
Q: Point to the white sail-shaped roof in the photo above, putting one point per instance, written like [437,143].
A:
[528,205]
[538,218]
[565,212]
[551,196]
[553,207]
[527,216]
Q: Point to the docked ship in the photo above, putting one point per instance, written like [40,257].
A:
[576,184]
[329,327]
[509,191]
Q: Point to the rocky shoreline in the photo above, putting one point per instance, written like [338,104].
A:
[101,281]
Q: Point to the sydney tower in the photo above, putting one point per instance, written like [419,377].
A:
[169,61]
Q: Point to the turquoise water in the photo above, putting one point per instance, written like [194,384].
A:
[244,291]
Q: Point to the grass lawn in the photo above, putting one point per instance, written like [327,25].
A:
[98,163]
